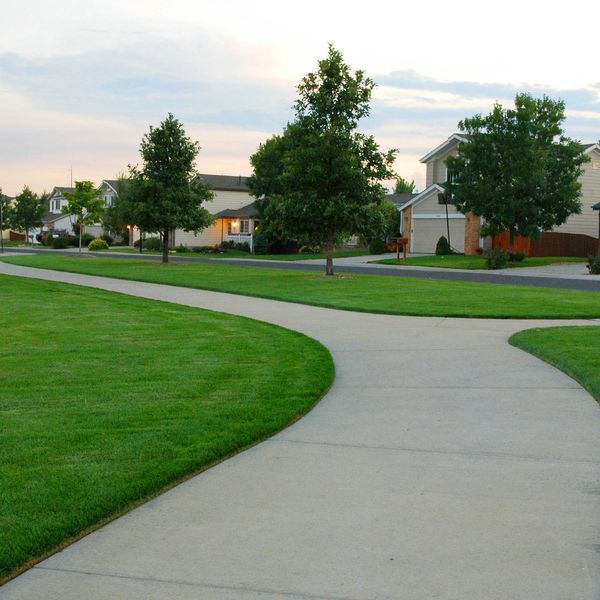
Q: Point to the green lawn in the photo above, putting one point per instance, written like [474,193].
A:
[369,293]
[459,261]
[574,350]
[241,254]
[107,399]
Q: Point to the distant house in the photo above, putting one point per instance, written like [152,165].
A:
[234,211]
[424,218]
[56,220]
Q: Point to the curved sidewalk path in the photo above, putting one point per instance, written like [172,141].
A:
[442,464]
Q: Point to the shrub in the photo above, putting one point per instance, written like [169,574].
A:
[593,265]
[376,246]
[242,247]
[60,242]
[261,243]
[309,250]
[227,245]
[516,256]
[442,248]
[152,243]
[182,248]
[86,239]
[98,244]
[107,238]
[496,259]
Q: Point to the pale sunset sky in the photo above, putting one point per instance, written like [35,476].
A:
[80,82]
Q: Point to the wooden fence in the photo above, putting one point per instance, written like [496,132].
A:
[550,244]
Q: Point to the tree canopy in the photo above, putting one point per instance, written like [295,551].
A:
[517,170]
[85,204]
[315,178]
[27,211]
[163,194]
[402,186]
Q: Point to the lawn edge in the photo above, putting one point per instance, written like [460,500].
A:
[446,315]
[136,504]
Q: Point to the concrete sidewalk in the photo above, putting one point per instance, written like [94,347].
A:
[442,464]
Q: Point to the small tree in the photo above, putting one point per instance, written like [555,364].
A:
[85,204]
[321,172]
[27,211]
[5,215]
[517,170]
[163,194]
[403,187]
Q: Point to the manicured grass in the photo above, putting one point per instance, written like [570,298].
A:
[459,261]
[574,350]
[369,293]
[107,399]
[241,254]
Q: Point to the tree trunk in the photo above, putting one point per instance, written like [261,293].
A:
[165,254]
[27,236]
[329,259]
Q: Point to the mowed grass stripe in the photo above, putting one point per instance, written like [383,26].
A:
[106,399]
[367,293]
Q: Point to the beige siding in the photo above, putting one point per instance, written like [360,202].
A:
[587,221]
[212,235]
[436,169]
[430,205]
[426,233]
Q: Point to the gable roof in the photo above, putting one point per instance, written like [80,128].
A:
[587,148]
[247,211]
[400,199]
[233,183]
[426,192]
[454,139]
[113,184]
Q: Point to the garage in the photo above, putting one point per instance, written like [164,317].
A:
[427,230]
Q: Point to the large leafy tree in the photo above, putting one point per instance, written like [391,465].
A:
[402,186]
[85,204]
[162,194]
[517,170]
[315,179]
[27,211]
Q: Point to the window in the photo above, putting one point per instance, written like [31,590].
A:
[245,226]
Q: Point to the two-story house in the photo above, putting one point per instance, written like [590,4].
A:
[424,218]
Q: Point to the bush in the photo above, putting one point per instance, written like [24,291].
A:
[261,243]
[227,245]
[309,250]
[442,248]
[376,246]
[152,243]
[516,256]
[60,242]
[182,248]
[496,259]
[98,244]
[107,238]
[593,265]
[86,239]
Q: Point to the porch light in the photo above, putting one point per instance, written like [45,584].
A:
[235,226]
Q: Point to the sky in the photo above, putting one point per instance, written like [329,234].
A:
[81,82]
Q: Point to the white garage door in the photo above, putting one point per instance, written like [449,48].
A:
[426,233]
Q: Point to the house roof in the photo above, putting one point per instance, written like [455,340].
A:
[596,206]
[62,190]
[247,211]
[400,199]
[455,138]
[112,183]
[235,183]
[50,217]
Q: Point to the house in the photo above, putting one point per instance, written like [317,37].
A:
[234,211]
[56,220]
[425,217]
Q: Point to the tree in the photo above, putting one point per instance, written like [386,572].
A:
[380,221]
[119,214]
[315,178]
[27,211]
[163,194]
[517,170]
[5,213]
[85,204]
[403,187]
